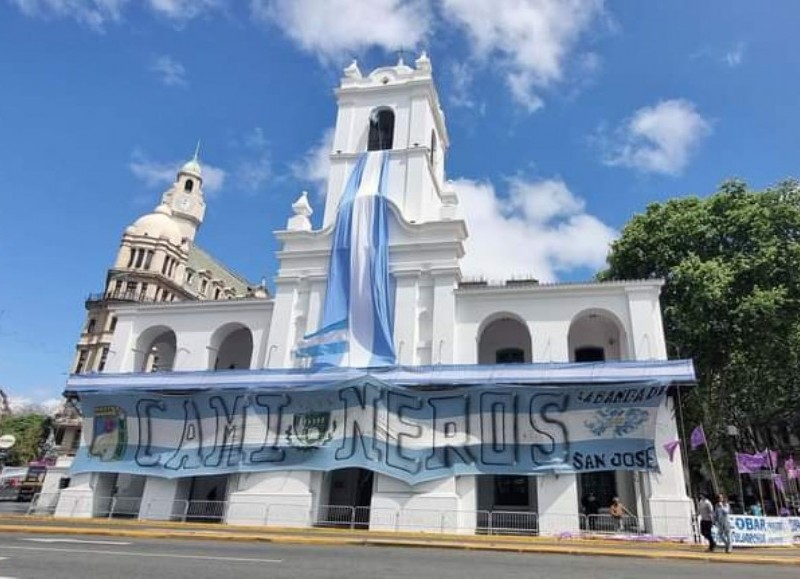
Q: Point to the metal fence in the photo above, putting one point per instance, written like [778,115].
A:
[498,522]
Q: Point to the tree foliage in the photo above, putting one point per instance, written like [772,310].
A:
[30,430]
[731,301]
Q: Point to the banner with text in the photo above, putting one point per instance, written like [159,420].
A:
[747,531]
[410,433]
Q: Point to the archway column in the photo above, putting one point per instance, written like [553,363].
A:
[441,506]
[558,504]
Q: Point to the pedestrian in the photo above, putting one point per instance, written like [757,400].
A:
[705,510]
[722,519]
[617,511]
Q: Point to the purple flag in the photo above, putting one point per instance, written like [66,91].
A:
[778,480]
[697,438]
[749,463]
[671,447]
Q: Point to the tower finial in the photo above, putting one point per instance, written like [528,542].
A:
[196,151]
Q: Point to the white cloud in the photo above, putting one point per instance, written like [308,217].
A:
[170,71]
[540,228]
[333,29]
[735,55]
[659,138]
[251,174]
[531,41]
[93,13]
[314,166]
[183,10]
[156,173]
[25,404]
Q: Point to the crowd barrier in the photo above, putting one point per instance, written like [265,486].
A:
[747,531]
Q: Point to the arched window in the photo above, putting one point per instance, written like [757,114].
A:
[381,130]
[433,148]
[189,185]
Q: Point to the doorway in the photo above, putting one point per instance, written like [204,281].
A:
[349,498]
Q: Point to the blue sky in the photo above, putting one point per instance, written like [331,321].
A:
[566,117]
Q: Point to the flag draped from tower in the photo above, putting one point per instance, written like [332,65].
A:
[357,320]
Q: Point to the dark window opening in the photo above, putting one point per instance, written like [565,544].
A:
[381,130]
[590,354]
[510,356]
[90,327]
[511,491]
[433,149]
[189,185]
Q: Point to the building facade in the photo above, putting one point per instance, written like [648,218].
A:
[558,335]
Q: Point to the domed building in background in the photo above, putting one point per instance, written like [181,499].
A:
[377,388]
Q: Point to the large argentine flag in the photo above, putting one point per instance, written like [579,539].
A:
[357,322]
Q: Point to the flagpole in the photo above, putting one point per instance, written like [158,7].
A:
[685,449]
[711,464]
[704,442]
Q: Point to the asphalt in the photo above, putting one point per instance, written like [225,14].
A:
[149,530]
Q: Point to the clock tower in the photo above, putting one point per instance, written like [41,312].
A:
[185,198]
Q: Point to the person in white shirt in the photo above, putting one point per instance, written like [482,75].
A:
[705,511]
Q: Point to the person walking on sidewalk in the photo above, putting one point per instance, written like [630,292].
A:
[722,519]
[705,510]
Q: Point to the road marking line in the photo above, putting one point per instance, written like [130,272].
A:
[142,554]
[82,541]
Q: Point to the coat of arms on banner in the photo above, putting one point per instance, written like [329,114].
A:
[110,435]
[310,430]
[619,421]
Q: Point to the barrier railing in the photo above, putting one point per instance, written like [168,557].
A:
[255,512]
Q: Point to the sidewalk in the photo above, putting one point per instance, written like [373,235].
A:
[322,536]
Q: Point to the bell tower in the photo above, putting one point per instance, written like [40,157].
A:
[394,108]
[185,197]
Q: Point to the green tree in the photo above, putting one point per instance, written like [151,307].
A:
[30,430]
[731,301]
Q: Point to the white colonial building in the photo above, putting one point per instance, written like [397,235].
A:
[440,320]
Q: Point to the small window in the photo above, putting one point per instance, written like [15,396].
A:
[148,259]
[381,130]
[113,325]
[90,326]
[118,287]
[80,366]
[144,291]
[165,265]
[189,185]
[189,278]
[433,149]
[139,258]
[203,286]
[103,358]
[217,292]
[130,289]
[131,257]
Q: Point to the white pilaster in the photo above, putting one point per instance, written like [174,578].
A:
[558,504]
[277,499]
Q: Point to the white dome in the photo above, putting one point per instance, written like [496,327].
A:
[158,224]
[192,167]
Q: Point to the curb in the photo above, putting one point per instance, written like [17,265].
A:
[430,543]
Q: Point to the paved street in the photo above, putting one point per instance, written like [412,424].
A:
[67,557]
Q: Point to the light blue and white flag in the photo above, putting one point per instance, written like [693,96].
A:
[357,322]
